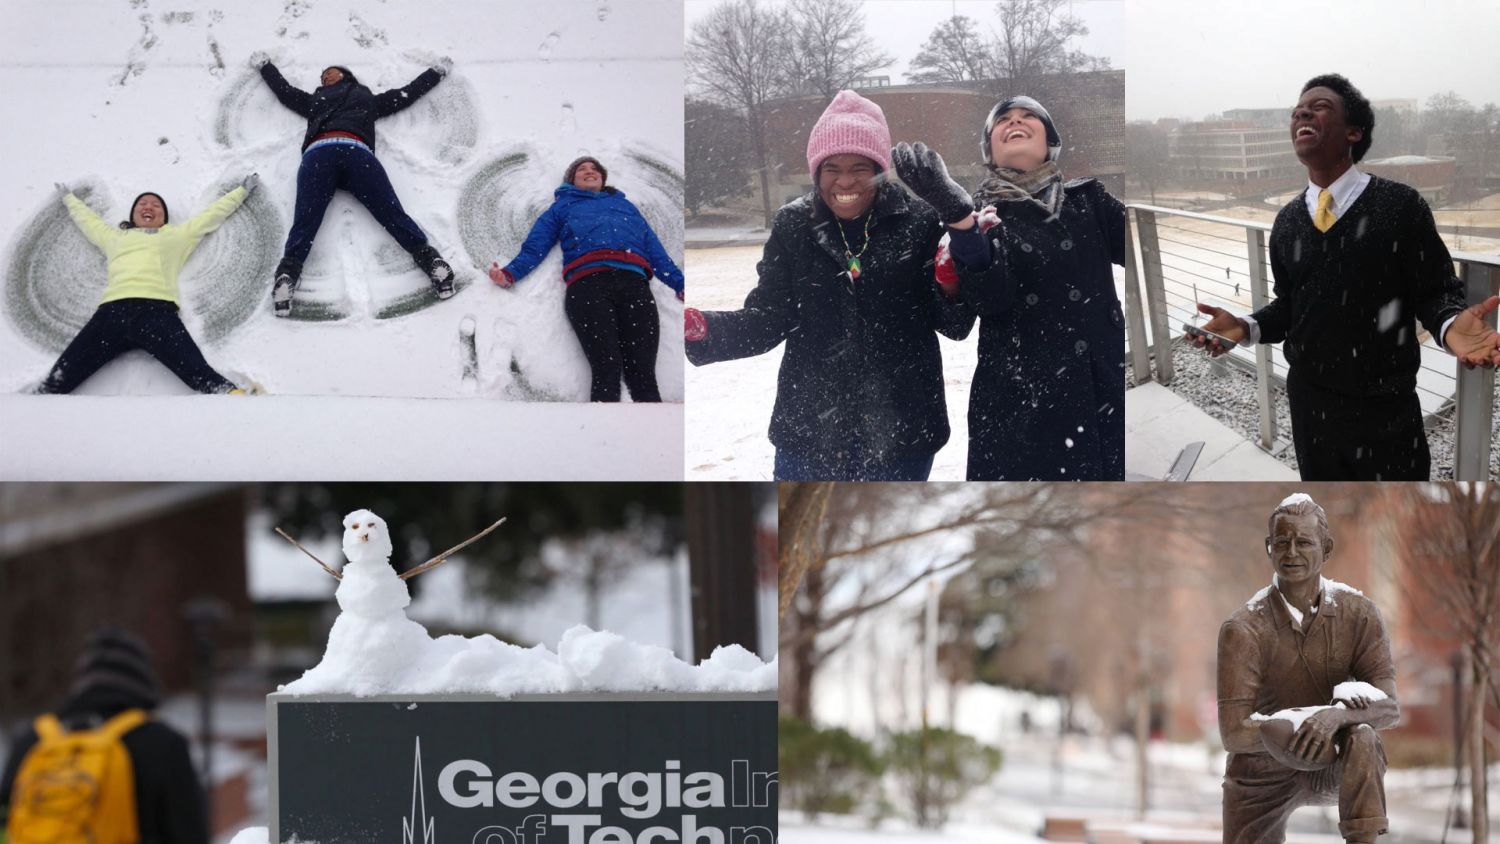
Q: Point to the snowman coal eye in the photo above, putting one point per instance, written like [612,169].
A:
[370,525]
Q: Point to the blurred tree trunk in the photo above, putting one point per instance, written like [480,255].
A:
[720,519]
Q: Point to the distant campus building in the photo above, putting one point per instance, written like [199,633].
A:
[1088,108]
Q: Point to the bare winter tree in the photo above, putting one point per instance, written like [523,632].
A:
[1034,38]
[956,51]
[829,47]
[1146,152]
[735,56]
[869,544]
[1452,538]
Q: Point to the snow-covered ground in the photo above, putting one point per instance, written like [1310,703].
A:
[158,95]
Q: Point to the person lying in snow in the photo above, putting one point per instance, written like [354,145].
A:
[338,151]
[139,309]
[1356,260]
[1048,401]
[846,280]
[610,254]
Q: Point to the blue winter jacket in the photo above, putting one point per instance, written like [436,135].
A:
[594,221]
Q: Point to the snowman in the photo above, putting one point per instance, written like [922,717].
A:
[372,643]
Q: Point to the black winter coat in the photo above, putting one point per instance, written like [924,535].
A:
[346,106]
[861,367]
[1048,401]
[168,797]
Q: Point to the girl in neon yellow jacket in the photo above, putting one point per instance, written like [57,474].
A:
[139,308]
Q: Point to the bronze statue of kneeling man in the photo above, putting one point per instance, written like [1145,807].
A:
[1318,647]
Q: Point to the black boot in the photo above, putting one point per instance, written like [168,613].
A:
[288,273]
[437,269]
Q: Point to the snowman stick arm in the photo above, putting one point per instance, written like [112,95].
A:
[439,559]
[335,574]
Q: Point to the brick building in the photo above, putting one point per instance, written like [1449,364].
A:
[1087,108]
[1432,176]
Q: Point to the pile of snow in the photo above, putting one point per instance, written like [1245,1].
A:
[375,649]
[1342,692]
[252,835]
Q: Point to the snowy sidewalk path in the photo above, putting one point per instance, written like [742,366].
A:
[1158,423]
[263,438]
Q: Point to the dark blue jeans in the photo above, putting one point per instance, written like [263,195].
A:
[850,466]
[151,325]
[355,169]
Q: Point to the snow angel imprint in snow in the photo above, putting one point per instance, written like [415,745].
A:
[1356,260]
[56,277]
[846,282]
[374,648]
[338,151]
[138,310]
[1034,265]
[610,255]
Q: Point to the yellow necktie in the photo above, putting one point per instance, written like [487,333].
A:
[1324,218]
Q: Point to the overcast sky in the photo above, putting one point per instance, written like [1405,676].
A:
[900,26]
[1192,58]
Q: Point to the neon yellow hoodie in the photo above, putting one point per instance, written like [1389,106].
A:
[143,265]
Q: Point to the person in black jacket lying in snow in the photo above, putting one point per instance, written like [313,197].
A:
[1356,259]
[338,151]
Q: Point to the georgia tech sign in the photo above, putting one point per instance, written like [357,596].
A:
[567,798]
[552,770]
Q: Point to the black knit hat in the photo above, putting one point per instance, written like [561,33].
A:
[1054,141]
[166,213]
[573,169]
[115,660]
[348,74]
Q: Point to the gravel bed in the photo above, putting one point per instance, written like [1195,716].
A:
[1227,393]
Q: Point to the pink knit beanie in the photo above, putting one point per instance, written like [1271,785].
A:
[850,124]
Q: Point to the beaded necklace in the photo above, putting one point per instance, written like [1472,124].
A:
[849,254]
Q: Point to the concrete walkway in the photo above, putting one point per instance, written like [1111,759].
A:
[1158,423]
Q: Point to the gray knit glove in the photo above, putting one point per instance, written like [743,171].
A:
[923,171]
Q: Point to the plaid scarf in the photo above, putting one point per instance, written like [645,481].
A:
[1042,186]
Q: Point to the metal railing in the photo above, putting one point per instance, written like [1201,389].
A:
[1181,256]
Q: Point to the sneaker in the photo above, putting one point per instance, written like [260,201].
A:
[442,277]
[281,294]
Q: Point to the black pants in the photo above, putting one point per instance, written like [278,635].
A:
[614,317]
[356,170]
[1339,438]
[151,325]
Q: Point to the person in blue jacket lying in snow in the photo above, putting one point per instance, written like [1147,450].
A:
[610,255]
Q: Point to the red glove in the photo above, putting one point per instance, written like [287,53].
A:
[696,327]
[946,272]
[500,275]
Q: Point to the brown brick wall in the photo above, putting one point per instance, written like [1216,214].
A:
[138,577]
[1088,110]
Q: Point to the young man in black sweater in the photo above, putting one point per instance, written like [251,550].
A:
[1356,259]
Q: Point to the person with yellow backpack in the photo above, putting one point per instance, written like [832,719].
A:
[101,770]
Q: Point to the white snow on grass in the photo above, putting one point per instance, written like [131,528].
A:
[374,648]
[138,98]
[284,438]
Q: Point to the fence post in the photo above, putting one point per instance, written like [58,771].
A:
[1156,293]
[1255,245]
[1475,390]
[1135,320]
